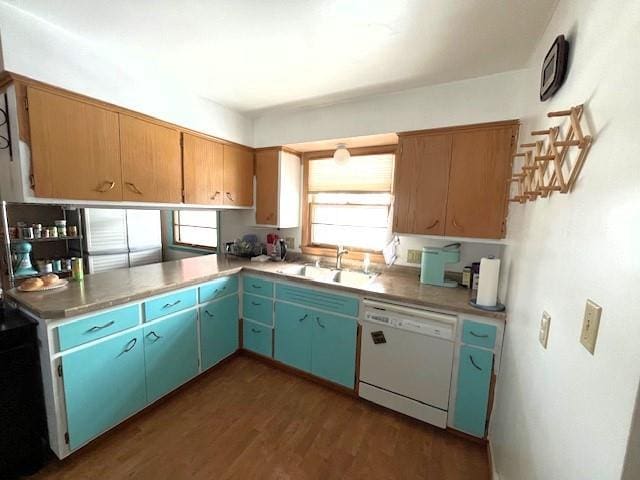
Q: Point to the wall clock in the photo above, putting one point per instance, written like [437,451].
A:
[554,68]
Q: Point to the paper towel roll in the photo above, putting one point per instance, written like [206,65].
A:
[488,282]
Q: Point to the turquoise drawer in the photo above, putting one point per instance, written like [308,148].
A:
[257,286]
[258,309]
[257,338]
[173,302]
[479,334]
[97,326]
[317,299]
[218,288]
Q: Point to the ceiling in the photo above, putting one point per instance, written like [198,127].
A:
[253,55]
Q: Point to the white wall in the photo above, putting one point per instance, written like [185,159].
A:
[45,52]
[484,99]
[562,413]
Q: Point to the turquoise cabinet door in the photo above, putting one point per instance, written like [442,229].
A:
[218,330]
[257,337]
[293,336]
[333,350]
[472,395]
[170,353]
[103,385]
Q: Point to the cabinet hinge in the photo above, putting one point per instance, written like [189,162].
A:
[60,370]
[26,103]
[66,438]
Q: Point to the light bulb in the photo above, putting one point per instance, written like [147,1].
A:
[341,155]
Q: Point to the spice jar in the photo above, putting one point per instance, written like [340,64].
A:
[61,226]
[72,231]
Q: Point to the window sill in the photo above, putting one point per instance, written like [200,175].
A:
[186,248]
[352,255]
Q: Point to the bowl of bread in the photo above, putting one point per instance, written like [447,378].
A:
[39,284]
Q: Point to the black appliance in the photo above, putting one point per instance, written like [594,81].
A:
[23,427]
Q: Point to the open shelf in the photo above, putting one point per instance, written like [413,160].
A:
[49,239]
[42,274]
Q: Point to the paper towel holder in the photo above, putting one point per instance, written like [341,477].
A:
[499,307]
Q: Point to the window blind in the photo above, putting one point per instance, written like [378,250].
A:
[362,173]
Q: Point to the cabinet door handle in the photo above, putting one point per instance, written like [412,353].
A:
[169,305]
[436,222]
[319,323]
[230,197]
[255,304]
[156,336]
[129,346]
[473,362]
[133,188]
[209,314]
[99,327]
[253,285]
[456,224]
[106,186]
[255,330]
[303,318]
[215,195]
[471,332]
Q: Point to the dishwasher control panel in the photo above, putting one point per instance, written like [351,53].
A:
[424,326]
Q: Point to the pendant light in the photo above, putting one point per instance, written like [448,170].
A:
[341,155]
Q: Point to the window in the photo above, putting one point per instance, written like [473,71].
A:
[350,204]
[196,228]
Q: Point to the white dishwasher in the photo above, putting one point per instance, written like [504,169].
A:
[406,358]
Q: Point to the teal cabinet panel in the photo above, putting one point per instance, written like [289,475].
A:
[479,334]
[97,326]
[257,337]
[258,309]
[472,395]
[318,299]
[218,330]
[218,288]
[103,385]
[333,350]
[170,353]
[171,303]
[257,286]
[293,331]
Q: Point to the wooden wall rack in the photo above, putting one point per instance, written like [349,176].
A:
[545,167]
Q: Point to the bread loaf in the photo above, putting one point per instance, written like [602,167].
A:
[50,279]
[32,284]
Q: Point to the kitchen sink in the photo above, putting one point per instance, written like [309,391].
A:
[310,271]
[353,279]
[348,278]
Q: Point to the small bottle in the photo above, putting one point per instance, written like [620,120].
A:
[366,263]
[77,270]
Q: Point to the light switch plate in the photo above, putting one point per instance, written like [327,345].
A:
[543,334]
[290,241]
[414,256]
[590,325]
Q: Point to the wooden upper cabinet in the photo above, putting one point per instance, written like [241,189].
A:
[203,170]
[421,181]
[267,168]
[238,176]
[151,161]
[74,148]
[480,167]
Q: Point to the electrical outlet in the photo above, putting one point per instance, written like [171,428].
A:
[414,256]
[543,334]
[590,325]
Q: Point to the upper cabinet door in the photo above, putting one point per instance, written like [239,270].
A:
[480,167]
[203,165]
[238,176]
[151,161]
[74,148]
[422,176]
[267,162]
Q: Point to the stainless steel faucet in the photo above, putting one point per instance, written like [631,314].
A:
[340,251]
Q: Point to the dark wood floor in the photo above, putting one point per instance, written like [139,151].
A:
[246,419]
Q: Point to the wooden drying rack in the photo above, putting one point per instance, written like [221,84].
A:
[535,178]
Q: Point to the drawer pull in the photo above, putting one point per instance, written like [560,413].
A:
[255,330]
[209,314]
[471,332]
[303,318]
[319,323]
[255,304]
[253,285]
[474,363]
[156,336]
[99,327]
[169,305]
[130,344]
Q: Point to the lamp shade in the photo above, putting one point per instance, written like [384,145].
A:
[341,155]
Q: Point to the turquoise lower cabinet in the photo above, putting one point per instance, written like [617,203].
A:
[218,330]
[257,337]
[472,395]
[333,350]
[293,332]
[103,385]
[171,353]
